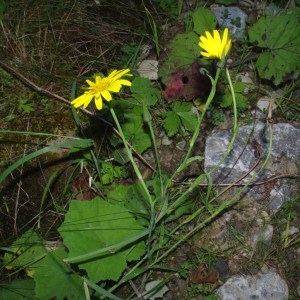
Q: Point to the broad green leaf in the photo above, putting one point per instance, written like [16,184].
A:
[143,90]
[133,128]
[279,38]
[183,110]
[183,50]
[204,20]
[180,106]
[107,178]
[96,224]
[17,290]
[181,114]
[28,250]
[189,120]
[55,279]
[137,136]
[133,198]
[171,123]
[241,102]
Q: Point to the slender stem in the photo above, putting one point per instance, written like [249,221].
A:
[233,100]
[221,208]
[200,119]
[156,155]
[139,176]
[129,153]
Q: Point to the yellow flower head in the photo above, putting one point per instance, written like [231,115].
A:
[214,46]
[102,87]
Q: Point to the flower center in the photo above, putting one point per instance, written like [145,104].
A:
[100,86]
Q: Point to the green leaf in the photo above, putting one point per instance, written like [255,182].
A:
[204,20]
[226,100]
[28,250]
[180,106]
[17,290]
[107,178]
[183,50]
[135,134]
[185,207]
[55,279]
[241,102]
[120,172]
[120,156]
[96,224]
[133,198]
[134,130]
[44,150]
[143,91]
[189,120]
[279,37]
[171,123]
[101,291]
[181,114]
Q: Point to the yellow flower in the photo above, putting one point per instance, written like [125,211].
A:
[214,46]
[102,87]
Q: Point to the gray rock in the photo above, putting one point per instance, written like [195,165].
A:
[233,18]
[268,286]
[244,157]
[263,234]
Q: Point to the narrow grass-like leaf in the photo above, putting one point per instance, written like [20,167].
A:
[68,144]
[100,290]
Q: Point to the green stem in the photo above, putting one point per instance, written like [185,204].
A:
[200,178]
[233,100]
[148,120]
[200,119]
[225,205]
[129,153]
[191,146]
[137,172]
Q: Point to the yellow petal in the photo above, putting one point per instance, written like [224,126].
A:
[205,54]
[224,41]
[125,82]
[99,103]
[84,100]
[106,95]
[90,83]
[227,47]
[217,38]
[115,87]
[118,74]
[208,36]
